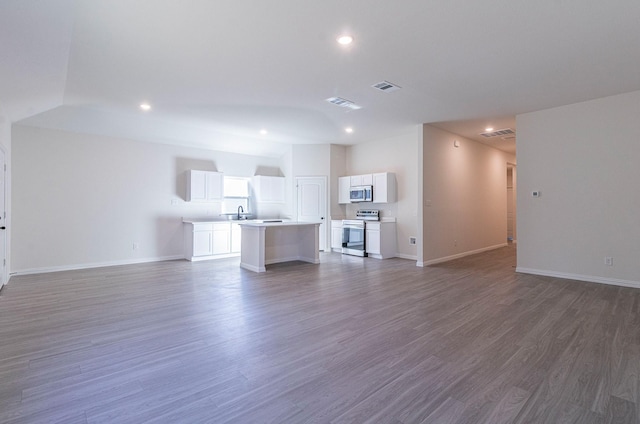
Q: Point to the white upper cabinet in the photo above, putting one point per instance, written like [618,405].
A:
[269,189]
[384,187]
[204,186]
[344,184]
[367,179]
[361,180]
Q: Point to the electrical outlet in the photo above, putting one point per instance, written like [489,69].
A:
[455,242]
[412,240]
[136,245]
[608,261]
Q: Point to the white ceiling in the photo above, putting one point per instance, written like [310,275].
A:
[216,72]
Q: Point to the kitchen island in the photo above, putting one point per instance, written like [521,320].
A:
[265,243]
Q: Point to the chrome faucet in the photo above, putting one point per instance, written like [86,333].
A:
[240,209]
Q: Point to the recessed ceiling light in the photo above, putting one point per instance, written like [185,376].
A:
[488,129]
[348,130]
[345,39]
[145,106]
[263,132]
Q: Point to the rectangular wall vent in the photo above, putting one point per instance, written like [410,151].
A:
[497,133]
[386,86]
[339,101]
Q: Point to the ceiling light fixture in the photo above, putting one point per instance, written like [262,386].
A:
[345,39]
[263,132]
[145,106]
[348,130]
[488,129]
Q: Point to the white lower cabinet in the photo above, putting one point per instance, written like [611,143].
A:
[236,238]
[221,238]
[380,239]
[211,240]
[202,243]
[336,235]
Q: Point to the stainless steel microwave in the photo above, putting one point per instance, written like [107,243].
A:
[361,194]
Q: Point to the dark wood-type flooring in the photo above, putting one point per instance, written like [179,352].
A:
[351,340]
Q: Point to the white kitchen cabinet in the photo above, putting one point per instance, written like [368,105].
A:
[211,240]
[380,239]
[269,189]
[344,185]
[204,186]
[361,180]
[336,235]
[236,237]
[384,187]
[221,238]
[202,240]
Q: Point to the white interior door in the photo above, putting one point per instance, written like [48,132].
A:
[312,204]
[3,223]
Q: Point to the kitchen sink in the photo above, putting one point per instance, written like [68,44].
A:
[234,216]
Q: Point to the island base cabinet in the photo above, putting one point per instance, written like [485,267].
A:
[264,244]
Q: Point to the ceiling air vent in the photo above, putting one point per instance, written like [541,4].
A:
[386,86]
[339,101]
[504,132]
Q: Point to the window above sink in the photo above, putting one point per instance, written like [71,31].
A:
[236,195]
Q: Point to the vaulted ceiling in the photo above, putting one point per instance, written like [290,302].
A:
[217,72]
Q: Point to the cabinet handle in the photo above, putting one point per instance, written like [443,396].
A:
[3,228]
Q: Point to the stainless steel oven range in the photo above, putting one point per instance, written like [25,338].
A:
[354,232]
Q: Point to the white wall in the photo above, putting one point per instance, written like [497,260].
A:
[83,200]
[585,159]
[5,142]
[397,155]
[338,169]
[464,196]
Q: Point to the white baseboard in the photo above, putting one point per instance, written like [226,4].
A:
[94,265]
[580,277]
[291,259]
[459,255]
[252,267]
[405,256]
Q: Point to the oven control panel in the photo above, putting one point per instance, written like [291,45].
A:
[368,214]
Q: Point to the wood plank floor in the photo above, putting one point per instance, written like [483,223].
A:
[351,340]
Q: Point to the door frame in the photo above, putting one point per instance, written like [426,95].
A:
[324,222]
[4,277]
